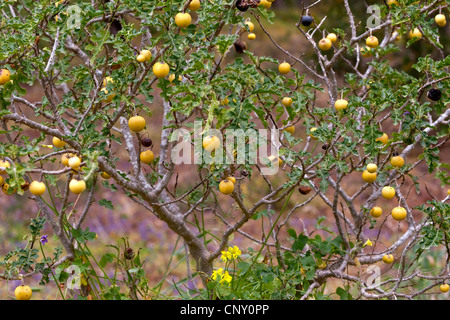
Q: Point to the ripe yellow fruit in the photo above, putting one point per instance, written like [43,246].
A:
[286,101]
[77,186]
[290,129]
[37,188]
[397,161]
[5,189]
[383,139]
[284,68]
[58,142]
[266,4]
[104,175]
[332,37]
[366,52]
[108,97]
[65,158]
[448,192]
[194,5]
[388,192]
[4,164]
[232,179]
[372,42]
[440,20]
[23,292]
[341,104]
[399,213]
[372,167]
[444,287]
[325,44]
[415,33]
[2,181]
[161,70]
[226,187]
[250,26]
[251,36]
[147,54]
[369,177]
[211,143]
[4,76]
[147,156]
[376,212]
[388,258]
[183,20]
[140,58]
[392,2]
[136,123]
[311,133]
[74,162]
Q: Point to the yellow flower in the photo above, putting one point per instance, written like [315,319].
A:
[216,273]
[226,255]
[225,278]
[235,252]
[368,243]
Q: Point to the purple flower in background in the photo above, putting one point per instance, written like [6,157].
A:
[406,113]
[44,239]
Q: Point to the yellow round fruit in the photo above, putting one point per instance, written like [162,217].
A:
[286,101]
[448,192]
[211,143]
[440,20]
[376,212]
[183,20]
[74,162]
[266,4]
[58,142]
[332,37]
[2,181]
[140,58]
[444,287]
[388,192]
[194,5]
[415,33]
[341,104]
[23,292]
[372,42]
[77,186]
[147,156]
[290,129]
[251,36]
[37,188]
[104,175]
[392,2]
[284,68]
[325,44]
[226,186]
[369,177]
[136,123]
[65,158]
[250,26]
[366,52]
[399,213]
[147,54]
[161,70]
[388,258]
[4,164]
[383,139]
[397,161]
[232,179]
[4,76]
[274,158]
[311,133]
[372,167]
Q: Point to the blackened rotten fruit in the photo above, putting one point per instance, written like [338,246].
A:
[434,94]
[307,20]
